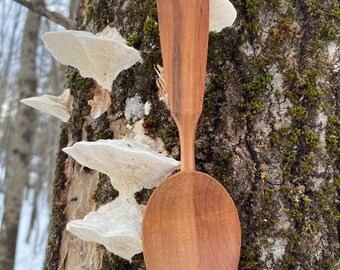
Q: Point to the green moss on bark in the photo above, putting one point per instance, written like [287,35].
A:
[57,217]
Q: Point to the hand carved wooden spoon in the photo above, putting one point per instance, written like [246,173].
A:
[190,221]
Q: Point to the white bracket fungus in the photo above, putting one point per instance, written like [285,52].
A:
[222,14]
[116,225]
[131,166]
[99,57]
[60,106]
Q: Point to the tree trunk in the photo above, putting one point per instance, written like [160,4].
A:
[268,132]
[17,171]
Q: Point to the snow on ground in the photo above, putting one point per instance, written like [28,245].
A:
[30,256]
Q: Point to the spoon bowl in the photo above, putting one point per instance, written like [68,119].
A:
[191,223]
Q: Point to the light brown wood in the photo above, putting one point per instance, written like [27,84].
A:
[190,221]
[184,28]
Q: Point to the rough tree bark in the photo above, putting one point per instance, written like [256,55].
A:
[269,130]
[17,171]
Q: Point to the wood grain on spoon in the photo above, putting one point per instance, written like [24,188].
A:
[184,28]
[190,222]
[192,226]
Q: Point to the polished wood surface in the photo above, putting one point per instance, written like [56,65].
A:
[190,221]
[184,28]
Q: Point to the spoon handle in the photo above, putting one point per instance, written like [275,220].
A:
[184,31]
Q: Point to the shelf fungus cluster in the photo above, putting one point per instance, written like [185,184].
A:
[100,57]
[131,167]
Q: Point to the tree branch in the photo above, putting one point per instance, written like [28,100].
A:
[53,16]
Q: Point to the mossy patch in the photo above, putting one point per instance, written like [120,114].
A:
[57,217]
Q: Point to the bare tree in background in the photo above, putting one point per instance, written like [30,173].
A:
[73,9]
[51,81]
[7,78]
[17,172]
[43,11]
